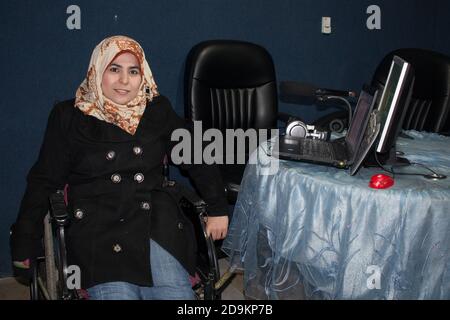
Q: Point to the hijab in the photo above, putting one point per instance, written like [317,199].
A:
[89,96]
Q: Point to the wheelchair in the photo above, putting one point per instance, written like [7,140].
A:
[50,272]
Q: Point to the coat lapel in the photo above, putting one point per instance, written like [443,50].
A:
[150,127]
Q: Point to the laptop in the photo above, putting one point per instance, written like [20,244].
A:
[340,153]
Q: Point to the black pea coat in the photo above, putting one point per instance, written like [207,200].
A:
[115,194]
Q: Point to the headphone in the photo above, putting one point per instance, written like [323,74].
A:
[298,129]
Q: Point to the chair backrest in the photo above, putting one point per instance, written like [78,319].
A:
[430,104]
[230,84]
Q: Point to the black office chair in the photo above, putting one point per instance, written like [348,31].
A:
[230,85]
[430,103]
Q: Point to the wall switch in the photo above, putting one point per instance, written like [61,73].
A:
[326,25]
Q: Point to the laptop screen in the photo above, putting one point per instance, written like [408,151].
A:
[394,101]
[359,121]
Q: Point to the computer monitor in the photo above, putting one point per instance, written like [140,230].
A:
[366,103]
[393,105]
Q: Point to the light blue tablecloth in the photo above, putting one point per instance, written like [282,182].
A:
[307,231]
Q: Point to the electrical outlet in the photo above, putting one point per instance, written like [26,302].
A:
[326,25]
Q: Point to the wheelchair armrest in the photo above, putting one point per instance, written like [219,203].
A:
[192,197]
[58,210]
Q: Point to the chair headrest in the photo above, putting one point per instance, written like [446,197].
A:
[230,64]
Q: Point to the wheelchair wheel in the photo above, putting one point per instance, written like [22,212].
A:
[45,284]
[41,286]
[208,271]
[207,266]
[44,273]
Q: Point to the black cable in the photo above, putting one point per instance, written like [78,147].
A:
[381,166]
[435,175]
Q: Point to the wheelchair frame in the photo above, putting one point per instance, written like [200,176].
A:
[50,272]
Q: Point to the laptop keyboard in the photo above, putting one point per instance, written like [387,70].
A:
[316,149]
[340,152]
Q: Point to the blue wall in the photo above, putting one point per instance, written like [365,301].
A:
[42,61]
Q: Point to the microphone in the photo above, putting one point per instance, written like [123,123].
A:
[303,89]
[306,93]
[333,92]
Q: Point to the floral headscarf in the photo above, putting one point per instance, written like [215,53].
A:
[89,96]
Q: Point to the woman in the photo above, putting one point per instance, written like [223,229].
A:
[127,233]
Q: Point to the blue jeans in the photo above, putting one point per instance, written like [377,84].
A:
[170,282]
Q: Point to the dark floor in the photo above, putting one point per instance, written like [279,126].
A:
[10,289]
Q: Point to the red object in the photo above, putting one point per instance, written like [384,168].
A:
[381,181]
[194,279]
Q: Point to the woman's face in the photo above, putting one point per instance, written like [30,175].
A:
[122,79]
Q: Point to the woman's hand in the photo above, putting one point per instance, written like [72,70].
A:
[25,264]
[22,270]
[217,227]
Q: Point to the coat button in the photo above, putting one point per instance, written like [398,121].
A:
[117,248]
[79,214]
[180,225]
[137,150]
[116,178]
[138,177]
[110,155]
[145,205]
